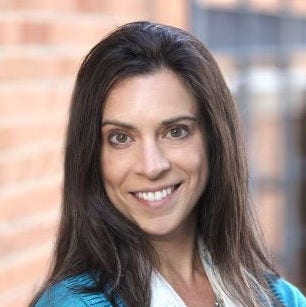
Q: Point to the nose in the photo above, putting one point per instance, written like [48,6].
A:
[152,161]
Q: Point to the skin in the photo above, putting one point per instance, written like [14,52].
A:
[153,140]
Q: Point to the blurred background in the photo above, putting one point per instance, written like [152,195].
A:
[260,46]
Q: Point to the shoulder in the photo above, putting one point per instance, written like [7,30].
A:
[287,293]
[67,293]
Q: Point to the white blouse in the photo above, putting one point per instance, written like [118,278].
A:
[163,295]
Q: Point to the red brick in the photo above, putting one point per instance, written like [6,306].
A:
[63,30]
[35,66]
[23,134]
[131,8]
[88,32]
[176,13]
[34,32]
[9,32]
[36,97]
[19,240]
[38,198]
[298,7]
[25,271]
[264,5]
[17,297]
[31,166]
[38,4]
[68,30]
[220,3]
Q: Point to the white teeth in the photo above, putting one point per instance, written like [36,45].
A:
[158,195]
[150,196]
[164,193]
[155,196]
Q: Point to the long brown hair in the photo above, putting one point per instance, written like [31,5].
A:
[97,239]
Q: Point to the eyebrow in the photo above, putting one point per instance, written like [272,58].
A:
[166,122]
[178,119]
[117,123]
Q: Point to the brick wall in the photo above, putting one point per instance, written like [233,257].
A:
[41,46]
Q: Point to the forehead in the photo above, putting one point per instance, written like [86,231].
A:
[159,94]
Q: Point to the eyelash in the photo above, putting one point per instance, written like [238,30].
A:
[113,141]
[182,128]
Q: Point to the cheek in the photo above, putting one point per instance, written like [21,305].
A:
[199,164]
[109,168]
[114,167]
[115,170]
[193,158]
[111,178]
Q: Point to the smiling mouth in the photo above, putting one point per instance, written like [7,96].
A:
[156,195]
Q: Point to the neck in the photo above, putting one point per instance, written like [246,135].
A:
[178,253]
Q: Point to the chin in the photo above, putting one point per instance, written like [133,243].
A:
[160,231]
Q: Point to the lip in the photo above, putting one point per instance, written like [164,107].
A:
[157,203]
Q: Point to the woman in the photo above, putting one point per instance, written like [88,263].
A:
[155,206]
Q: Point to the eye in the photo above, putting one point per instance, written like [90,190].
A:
[177,132]
[119,139]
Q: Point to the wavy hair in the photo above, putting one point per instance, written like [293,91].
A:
[94,237]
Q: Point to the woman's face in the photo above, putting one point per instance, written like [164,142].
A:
[154,161]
